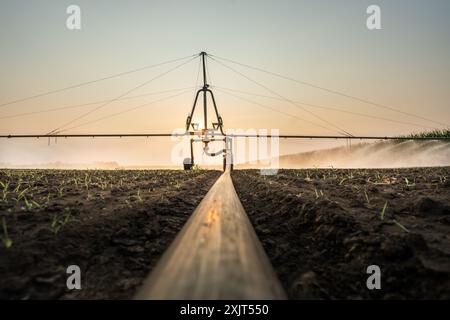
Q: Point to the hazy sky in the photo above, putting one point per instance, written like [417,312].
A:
[405,65]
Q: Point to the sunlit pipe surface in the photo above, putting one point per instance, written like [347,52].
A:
[217,255]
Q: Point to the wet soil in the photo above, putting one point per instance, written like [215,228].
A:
[322,228]
[114,225]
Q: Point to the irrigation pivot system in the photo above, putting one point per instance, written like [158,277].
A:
[205,134]
[210,132]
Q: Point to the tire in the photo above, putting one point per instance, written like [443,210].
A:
[187,164]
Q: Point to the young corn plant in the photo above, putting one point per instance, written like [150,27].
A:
[367,197]
[383,211]
[400,225]
[22,194]
[89,196]
[87,181]
[138,196]
[5,192]
[57,223]
[54,226]
[17,188]
[103,185]
[7,242]
[30,204]
[129,205]
[60,191]
[308,177]
[75,181]
[35,204]
[408,183]
[319,193]
[48,199]
[177,185]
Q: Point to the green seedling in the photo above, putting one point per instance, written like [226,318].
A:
[138,196]
[400,225]
[47,202]
[307,178]
[103,185]
[302,210]
[5,191]
[367,197]
[7,242]
[54,226]
[89,196]
[35,204]
[438,133]
[22,194]
[408,183]
[383,211]
[17,188]
[86,181]
[57,223]
[319,193]
[28,204]
[61,191]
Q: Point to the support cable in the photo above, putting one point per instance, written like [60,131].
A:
[93,81]
[274,109]
[128,110]
[61,127]
[284,98]
[18,115]
[366,101]
[326,107]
